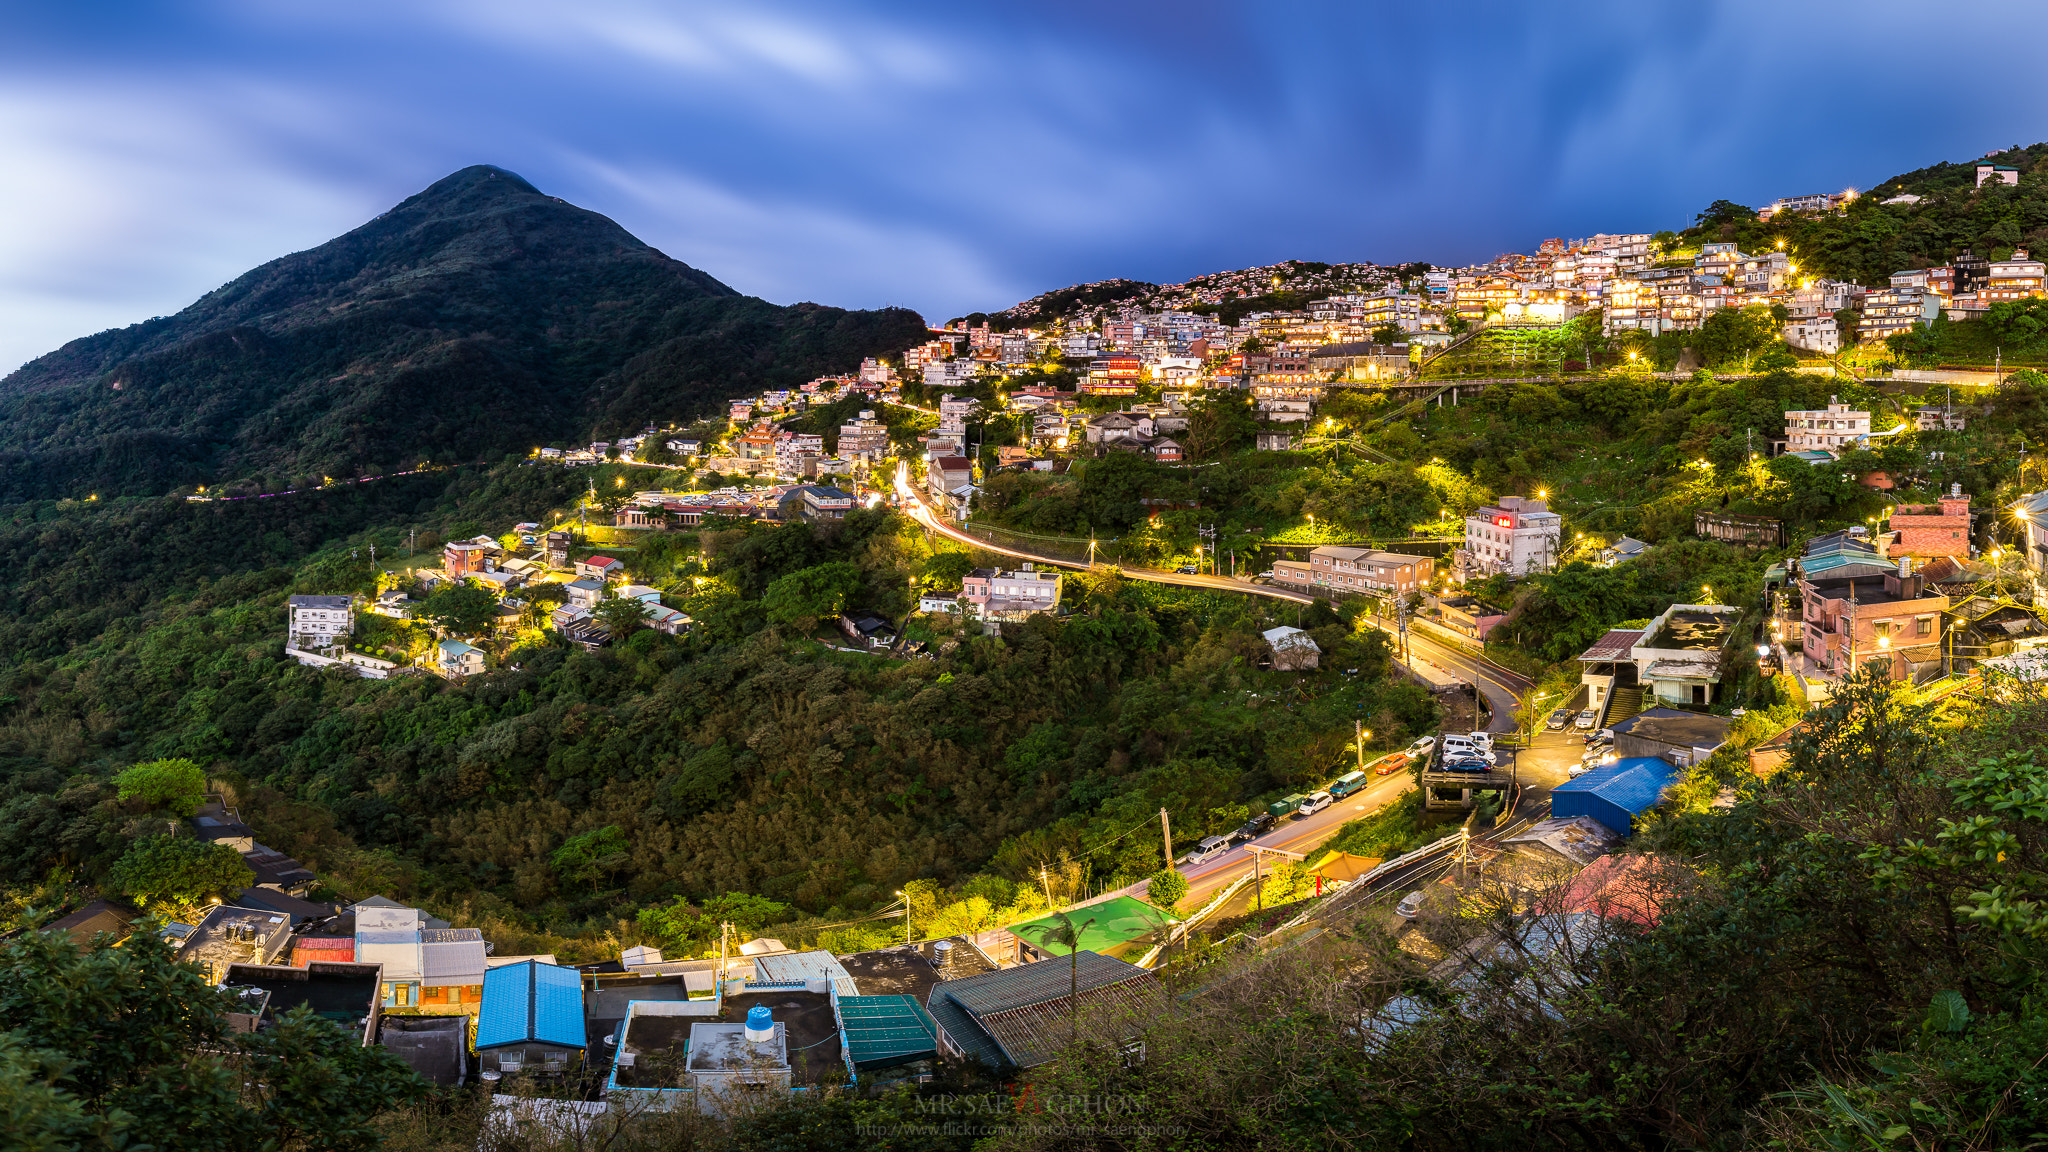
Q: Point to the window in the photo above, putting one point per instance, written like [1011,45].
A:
[1924,626]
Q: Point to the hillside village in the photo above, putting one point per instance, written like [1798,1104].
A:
[1827,533]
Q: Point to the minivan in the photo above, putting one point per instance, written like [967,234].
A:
[1208,850]
[1348,783]
[1316,802]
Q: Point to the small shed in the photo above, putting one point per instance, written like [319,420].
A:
[1293,651]
[1614,795]
[531,1011]
[1671,733]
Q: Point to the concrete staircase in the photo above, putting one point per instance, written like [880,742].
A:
[1622,703]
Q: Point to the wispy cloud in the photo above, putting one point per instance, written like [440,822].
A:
[948,157]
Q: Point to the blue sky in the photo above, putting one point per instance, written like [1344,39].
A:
[956,156]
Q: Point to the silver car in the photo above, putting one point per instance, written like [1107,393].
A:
[1586,720]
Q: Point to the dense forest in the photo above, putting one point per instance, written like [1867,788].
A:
[578,787]
[477,318]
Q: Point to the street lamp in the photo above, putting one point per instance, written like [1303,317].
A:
[906,917]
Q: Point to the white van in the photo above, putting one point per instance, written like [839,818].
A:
[1208,850]
[1316,802]
[1460,746]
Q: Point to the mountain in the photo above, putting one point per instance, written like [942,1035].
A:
[477,318]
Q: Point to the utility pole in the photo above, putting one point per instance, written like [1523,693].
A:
[1358,732]
[1166,838]
[1208,533]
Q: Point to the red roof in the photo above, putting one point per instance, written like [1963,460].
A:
[1616,645]
[326,949]
[601,561]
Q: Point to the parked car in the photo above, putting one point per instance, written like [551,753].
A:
[1185,570]
[1389,764]
[1422,746]
[1207,850]
[1483,739]
[1316,802]
[1559,720]
[1468,764]
[1410,906]
[1586,720]
[1606,734]
[1603,739]
[1253,828]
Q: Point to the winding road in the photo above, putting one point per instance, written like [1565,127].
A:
[1502,688]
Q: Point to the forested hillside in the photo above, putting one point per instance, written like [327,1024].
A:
[1873,239]
[577,787]
[477,318]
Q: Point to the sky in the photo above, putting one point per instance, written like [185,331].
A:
[954,157]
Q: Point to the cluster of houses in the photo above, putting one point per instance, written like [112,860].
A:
[644,1032]
[319,628]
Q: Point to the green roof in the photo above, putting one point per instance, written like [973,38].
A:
[1105,926]
[884,1031]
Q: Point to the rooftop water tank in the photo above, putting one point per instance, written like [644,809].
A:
[760,1024]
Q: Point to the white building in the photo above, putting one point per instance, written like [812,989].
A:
[319,622]
[1815,334]
[1516,536]
[1825,430]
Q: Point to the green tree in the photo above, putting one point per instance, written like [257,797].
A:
[801,599]
[621,615]
[1167,888]
[176,784]
[127,1047]
[1848,322]
[176,871]
[944,571]
[584,857]
[464,609]
[1389,334]
[1220,424]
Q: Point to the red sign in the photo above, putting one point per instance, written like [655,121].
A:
[1505,521]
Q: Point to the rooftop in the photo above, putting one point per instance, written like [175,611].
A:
[1672,726]
[1105,927]
[906,971]
[1694,628]
[1615,645]
[886,1031]
[809,1029]
[530,1001]
[1634,784]
[723,1047]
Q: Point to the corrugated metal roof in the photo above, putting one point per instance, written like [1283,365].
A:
[531,1001]
[1032,1034]
[1615,645]
[796,966]
[452,961]
[961,1029]
[884,1031]
[1633,784]
[1029,984]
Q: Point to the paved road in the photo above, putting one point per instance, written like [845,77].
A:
[1501,688]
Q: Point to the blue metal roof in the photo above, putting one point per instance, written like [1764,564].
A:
[1633,784]
[531,1001]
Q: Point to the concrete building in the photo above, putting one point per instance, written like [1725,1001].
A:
[1337,570]
[999,595]
[319,622]
[1825,430]
[1517,536]
[1891,311]
[1852,622]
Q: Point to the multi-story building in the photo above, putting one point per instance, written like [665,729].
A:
[1114,374]
[1400,309]
[1516,536]
[1890,311]
[1825,430]
[318,622]
[1718,259]
[1853,622]
[865,439]
[999,595]
[1996,174]
[1770,272]
[465,558]
[1823,298]
[1338,570]
[1815,334]
[2014,279]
